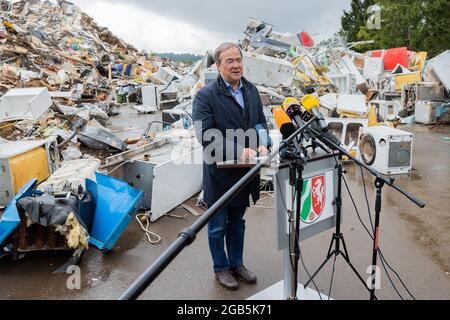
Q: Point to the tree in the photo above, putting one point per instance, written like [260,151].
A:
[401,24]
[435,35]
[420,25]
[355,19]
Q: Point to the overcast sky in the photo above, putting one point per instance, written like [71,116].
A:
[199,25]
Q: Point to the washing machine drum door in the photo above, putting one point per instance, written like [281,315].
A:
[368,149]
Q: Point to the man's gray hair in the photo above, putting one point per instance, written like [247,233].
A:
[224,46]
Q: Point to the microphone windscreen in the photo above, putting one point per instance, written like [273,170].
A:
[310,101]
[283,122]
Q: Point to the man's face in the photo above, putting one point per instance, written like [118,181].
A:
[231,67]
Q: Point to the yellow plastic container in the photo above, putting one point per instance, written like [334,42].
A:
[404,79]
[28,165]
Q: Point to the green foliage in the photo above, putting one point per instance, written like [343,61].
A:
[420,25]
[187,58]
[354,19]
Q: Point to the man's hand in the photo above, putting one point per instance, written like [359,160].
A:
[262,150]
[248,154]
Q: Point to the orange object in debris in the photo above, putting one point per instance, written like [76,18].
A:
[306,40]
[29,165]
[393,57]
[102,97]
[377,54]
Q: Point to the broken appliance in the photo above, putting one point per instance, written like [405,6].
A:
[346,129]
[386,110]
[169,170]
[386,150]
[428,112]
[24,103]
[38,221]
[21,161]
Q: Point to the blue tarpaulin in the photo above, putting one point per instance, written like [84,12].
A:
[10,219]
[116,204]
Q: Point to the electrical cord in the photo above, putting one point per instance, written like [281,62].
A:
[332,276]
[297,240]
[367,199]
[152,237]
[373,232]
[367,230]
[369,233]
[383,260]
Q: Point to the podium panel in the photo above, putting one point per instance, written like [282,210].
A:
[318,212]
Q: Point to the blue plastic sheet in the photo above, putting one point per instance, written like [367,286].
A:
[10,219]
[116,204]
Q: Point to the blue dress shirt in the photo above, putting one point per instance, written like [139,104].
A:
[237,94]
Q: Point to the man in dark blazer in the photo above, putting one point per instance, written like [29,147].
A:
[229,104]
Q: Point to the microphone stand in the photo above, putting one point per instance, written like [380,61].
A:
[187,236]
[380,181]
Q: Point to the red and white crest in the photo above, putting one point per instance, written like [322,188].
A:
[318,194]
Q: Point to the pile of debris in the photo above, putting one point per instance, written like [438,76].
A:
[59,70]
[61,79]
[395,86]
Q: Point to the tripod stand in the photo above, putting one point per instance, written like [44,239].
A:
[338,236]
[380,181]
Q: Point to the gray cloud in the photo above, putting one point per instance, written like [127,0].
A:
[229,18]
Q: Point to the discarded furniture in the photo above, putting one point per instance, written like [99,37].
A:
[150,100]
[373,67]
[344,82]
[166,75]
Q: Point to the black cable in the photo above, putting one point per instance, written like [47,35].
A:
[300,251]
[369,233]
[332,276]
[297,240]
[307,272]
[367,199]
[383,260]
[356,208]
[287,213]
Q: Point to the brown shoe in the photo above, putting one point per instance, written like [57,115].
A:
[243,274]
[227,280]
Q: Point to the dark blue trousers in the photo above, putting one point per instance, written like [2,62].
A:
[227,227]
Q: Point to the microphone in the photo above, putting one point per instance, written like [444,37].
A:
[293,109]
[283,122]
[287,128]
[316,130]
[312,105]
